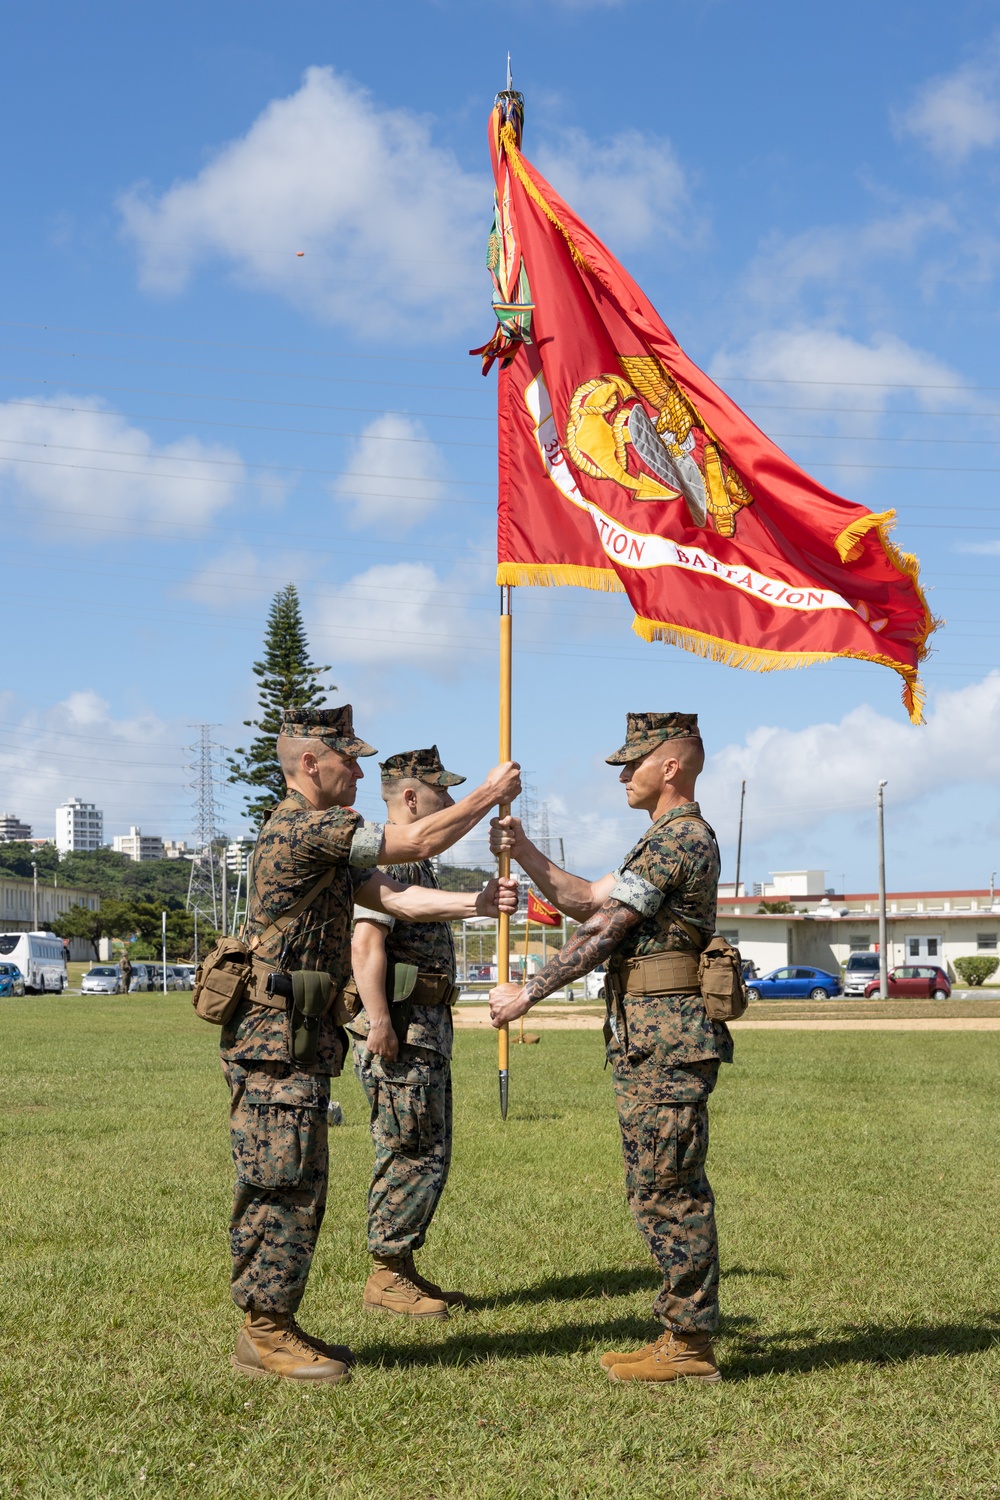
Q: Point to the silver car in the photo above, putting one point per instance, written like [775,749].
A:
[183,974]
[102,980]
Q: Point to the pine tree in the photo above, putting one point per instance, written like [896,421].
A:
[287,679]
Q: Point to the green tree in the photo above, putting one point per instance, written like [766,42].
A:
[116,919]
[286,679]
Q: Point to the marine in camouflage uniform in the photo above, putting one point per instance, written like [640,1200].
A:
[410,1096]
[278,1109]
[665,1054]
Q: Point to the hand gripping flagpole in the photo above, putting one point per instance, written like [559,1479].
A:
[503,923]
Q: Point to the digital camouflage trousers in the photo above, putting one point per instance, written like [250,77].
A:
[410,1101]
[278,1129]
[663,1116]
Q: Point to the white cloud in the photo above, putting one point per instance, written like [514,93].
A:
[798,777]
[394,473]
[238,576]
[959,113]
[396,614]
[134,769]
[72,455]
[631,190]
[835,365]
[392,228]
[838,259]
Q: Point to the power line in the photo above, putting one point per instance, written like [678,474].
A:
[163,338]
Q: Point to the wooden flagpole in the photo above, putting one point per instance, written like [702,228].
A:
[503,924]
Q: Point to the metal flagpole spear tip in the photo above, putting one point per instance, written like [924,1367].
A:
[504,1081]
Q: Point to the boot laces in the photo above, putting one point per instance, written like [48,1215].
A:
[303,1337]
[298,1341]
[406,1282]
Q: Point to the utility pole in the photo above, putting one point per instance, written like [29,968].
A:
[993,890]
[883,925]
[739,839]
[196,937]
[164,922]
[225,871]
[34,895]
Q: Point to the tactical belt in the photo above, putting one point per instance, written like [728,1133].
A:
[661,974]
[434,989]
[257,991]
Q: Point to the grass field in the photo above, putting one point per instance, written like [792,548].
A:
[857,1180]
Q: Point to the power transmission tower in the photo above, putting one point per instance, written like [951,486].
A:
[204,887]
[527,805]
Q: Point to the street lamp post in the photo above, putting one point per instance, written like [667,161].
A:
[883,925]
[34,895]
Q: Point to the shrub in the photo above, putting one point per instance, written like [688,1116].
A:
[973,971]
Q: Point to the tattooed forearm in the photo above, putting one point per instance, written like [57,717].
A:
[592,942]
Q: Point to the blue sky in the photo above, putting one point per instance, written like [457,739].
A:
[192,414]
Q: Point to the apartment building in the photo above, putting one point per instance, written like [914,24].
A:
[79,827]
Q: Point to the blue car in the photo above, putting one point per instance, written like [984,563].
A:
[797,982]
[11,980]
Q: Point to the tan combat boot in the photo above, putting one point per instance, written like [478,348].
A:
[431,1288]
[391,1288]
[609,1360]
[273,1344]
[675,1356]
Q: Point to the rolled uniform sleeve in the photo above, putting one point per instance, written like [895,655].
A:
[634,890]
[366,914]
[366,846]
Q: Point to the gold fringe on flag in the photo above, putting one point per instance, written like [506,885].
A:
[848,543]
[545,575]
[759,659]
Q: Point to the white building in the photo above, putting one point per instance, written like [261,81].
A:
[79,826]
[18,898]
[139,846]
[785,884]
[12,830]
[175,849]
[930,926]
[238,853]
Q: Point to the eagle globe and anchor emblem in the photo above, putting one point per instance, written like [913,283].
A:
[610,435]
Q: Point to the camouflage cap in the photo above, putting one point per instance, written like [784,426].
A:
[645,731]
[334,726]
[418,765]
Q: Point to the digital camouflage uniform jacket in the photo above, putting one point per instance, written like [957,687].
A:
[295,848]
[674,868]
[431,947]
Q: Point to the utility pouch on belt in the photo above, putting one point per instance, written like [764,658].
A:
[721,976]
[221,981]
[310,1002]
[227,974]
[400,982]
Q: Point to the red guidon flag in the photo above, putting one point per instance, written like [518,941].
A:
[623,467]
[541,911]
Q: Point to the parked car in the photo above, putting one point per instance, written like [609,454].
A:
[102,980]
[593,984]
[794,983]
[142,979]
[923,980]
[859,971]
[11,980]
[184,975]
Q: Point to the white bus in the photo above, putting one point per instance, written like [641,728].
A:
[40,958]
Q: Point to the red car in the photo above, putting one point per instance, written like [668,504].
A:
[924,980]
